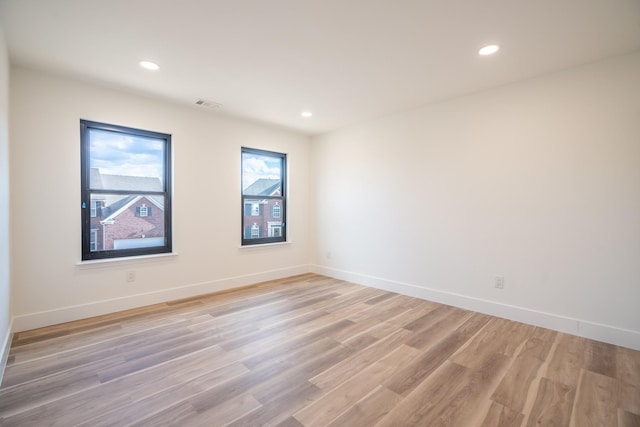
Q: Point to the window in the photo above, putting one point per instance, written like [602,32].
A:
[126,191]
[275,211]
[143,211]
[94,239]
[263,196]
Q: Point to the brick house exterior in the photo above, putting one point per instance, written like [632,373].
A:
[123,222]
[141,217]
[263,217]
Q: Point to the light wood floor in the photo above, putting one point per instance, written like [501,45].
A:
[314,351]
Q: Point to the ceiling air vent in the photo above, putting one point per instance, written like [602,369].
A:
[208,104]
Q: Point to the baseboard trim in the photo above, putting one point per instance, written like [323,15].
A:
[605,333]
[4,350]
[67,314]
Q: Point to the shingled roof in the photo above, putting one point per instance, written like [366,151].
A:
[100,181]
[263,187]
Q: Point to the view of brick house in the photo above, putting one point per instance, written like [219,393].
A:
[125,222]
[263,217]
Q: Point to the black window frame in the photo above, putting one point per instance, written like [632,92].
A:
[86,191]
[282,198]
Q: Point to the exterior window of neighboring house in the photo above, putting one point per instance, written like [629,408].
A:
[143,211]
[94,239]
[126,191]
[264,183]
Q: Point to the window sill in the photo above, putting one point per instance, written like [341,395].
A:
[264,245]
[122,261]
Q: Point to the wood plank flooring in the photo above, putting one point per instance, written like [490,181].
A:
[314,351]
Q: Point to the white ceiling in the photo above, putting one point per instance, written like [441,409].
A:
[344,60]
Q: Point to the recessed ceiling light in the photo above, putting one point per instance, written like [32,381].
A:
[489,50]
[306,114]
[149,65]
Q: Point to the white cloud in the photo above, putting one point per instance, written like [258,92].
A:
[118,154]
[255,167]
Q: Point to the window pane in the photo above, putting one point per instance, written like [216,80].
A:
[261,175]
[264,185]
[121,161]
[126,191]
[127,221]
[259,220]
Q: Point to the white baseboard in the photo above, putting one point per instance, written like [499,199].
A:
[605,333]
[67,314]
[4,350]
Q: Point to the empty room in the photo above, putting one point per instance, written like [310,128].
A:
[320,213]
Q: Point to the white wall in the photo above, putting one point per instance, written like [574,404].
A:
[49,285]
[5,291]
[537,181]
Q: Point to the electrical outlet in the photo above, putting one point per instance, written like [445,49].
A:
[131,276]
[499,282]
[328,255]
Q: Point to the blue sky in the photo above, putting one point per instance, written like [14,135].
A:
[118,154]
[255,167]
